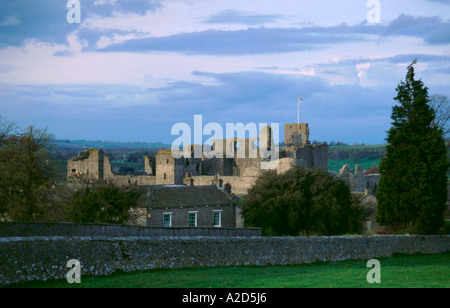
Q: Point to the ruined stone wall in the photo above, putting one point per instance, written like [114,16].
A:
[239,184]
[285,164]
[241,169]
[308,155]
[133,179]
[303,155]
[320,156]
[91,164]
[248,167]
[220,166]
[148,165]
[43,258]
[357,180]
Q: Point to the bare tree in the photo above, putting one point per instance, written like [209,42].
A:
[6,128]
[441,106]
[24,174]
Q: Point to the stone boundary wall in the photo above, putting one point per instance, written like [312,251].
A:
[42,258]
[13,229]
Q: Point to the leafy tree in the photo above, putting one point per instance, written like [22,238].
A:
[412,191]
[301,201]
[24,174]
[441,107]
[102,204]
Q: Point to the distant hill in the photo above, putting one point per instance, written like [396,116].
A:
[87,144]
[365,155]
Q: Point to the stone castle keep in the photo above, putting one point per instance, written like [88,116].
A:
[231,172]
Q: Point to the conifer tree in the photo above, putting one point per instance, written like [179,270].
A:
[412,191]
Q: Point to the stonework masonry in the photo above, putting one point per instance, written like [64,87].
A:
[21,229]
[43,258]
[233,172]
[357,180]
[229,169]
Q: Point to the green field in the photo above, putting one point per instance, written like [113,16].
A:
[365,155]
[336,165]
[404,271]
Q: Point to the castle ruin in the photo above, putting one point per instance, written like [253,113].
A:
[234,172]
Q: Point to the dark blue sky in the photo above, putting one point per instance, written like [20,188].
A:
[132,69]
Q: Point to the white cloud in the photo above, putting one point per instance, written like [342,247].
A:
[362,69]
[11,21]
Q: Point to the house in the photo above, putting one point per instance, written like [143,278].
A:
[191,206]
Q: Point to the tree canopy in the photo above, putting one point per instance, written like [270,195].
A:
[24,173]
[302,201]
[102,204]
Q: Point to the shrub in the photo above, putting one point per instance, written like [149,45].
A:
[302,201]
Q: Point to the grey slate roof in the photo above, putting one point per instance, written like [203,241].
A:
[171,196]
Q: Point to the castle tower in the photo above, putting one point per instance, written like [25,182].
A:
[265,138]
[296,134]
[165,168]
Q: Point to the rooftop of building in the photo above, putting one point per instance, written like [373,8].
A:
[176,196]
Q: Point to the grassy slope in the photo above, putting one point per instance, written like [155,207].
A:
[336,164]
[397,272]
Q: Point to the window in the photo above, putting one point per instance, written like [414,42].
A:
[165,177]
[217,218]
[193,219]
[167,219]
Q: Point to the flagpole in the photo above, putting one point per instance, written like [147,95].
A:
[298,111]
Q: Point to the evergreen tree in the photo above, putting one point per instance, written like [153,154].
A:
[412,191]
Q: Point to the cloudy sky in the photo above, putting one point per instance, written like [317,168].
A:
[131,69]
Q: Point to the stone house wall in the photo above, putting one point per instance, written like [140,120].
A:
[180,216]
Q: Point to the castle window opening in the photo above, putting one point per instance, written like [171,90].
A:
[165,176]
[167,161]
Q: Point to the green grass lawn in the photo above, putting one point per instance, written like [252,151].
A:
[405,271]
